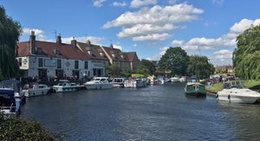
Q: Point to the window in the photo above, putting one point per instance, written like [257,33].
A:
[20,61]
[59,63]
[57,52]
[40,62]
[76,65]
[86,65]
[39,51]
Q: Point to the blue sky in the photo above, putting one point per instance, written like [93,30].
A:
[149,27]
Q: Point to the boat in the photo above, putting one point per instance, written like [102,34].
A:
[235,92]
[35,89]
[134,83]
[66,86]
[175,79]
[194,88]
[118,82]
[11,97]
[98,83]
[153,80]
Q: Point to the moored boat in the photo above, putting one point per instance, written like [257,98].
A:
[11,97]
[118,82]
[35,89]
[98,83]
[235,92]
[134,83]
[194,88]
[66,86]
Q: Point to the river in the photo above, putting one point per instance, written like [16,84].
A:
[153,113]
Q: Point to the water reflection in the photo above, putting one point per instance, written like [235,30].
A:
[160,112]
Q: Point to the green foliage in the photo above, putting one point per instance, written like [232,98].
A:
[114,70]
[174,60]
[246,57]
[199,66]
[127,73]
[9,34]
[149,65]
[143,70]
[20,129]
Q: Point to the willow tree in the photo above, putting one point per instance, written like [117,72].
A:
[9,34]
[175,60]
[199,66]
[246,57]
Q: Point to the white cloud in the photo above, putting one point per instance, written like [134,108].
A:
[92,39]
[227,40]
[152,37]
[121,4]
[117,46]
[142,29]
[177,43]
[140,3]
[38,33]
[151,22]
[98,3]
[223,55]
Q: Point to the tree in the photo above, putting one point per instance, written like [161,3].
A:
[246,57]
[149,65]
[10,31]
[114,70]
[199,66]
[175,60]
[143,70]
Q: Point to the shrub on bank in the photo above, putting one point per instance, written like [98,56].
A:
[21,129]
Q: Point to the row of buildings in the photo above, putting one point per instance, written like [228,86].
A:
[43,59]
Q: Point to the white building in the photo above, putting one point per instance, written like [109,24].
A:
[49,59]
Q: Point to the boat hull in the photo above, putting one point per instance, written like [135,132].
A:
[195,89]
[239,96]
[98,86]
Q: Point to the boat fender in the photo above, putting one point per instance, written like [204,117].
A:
[229,97]
[216,95]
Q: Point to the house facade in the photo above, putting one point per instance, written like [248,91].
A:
[46,60]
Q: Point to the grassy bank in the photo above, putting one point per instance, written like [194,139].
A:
[251,84]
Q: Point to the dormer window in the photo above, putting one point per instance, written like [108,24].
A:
[122,56]
[101,54]
[90,52]
[113,55]
[57,52]
[39,51]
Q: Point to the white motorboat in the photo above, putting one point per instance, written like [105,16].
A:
[153,80]
[98,83]
[11,97]
[235,92]
[118,82]
[66,86]
[134,83]
[35,89]
[175,79]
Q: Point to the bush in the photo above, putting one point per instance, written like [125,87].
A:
[21,129]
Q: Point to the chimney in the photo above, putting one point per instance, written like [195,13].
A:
[74,42]
[58,39]
[111,46]
[88,42]
[32,43]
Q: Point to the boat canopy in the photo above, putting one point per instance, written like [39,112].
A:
[11,84]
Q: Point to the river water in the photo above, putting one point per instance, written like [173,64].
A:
[153,113]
